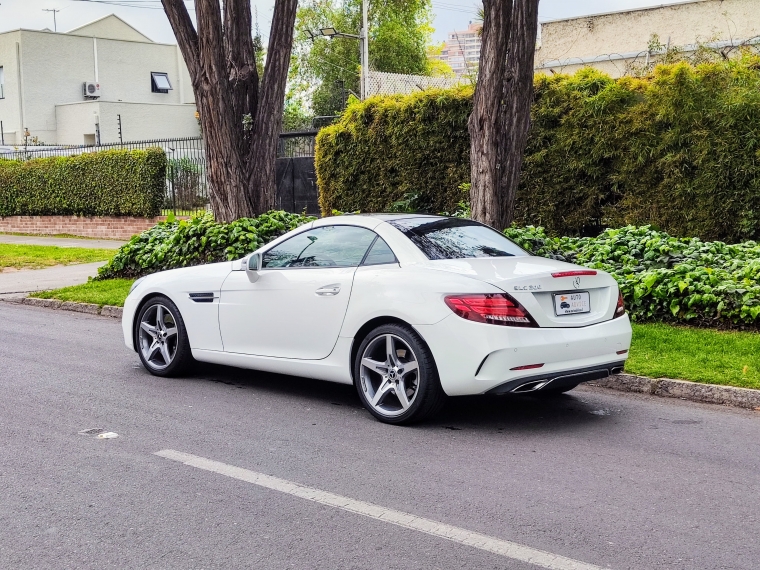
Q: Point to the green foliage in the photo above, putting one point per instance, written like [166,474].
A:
[679,150]
[172,244]
[665,278]
[730,358]
[111,292]
[388,147]
[399,33]
[21,256]
[109,183]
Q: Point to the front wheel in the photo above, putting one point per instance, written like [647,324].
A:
[396,376]
[162,338]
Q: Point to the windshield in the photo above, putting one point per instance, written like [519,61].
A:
[456,238]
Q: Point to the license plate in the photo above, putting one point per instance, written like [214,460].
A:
[572,303]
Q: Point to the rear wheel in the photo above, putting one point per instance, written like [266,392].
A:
[162,338]
[396,376]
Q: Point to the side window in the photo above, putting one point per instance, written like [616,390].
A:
[380,254]
[328,246]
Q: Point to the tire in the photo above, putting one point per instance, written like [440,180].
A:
[161,336]
[396,377]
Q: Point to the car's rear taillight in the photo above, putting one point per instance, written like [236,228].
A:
[492,308]
[620,309]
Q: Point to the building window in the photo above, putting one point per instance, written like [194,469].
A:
[159,82]
[2,83]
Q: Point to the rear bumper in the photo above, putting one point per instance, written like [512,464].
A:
[565,379]
[474,358]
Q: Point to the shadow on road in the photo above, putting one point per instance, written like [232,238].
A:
[566,412]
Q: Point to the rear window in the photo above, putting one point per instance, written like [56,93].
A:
[455,238]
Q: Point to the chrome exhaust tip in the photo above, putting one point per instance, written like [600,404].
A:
[530,386]
[616,370]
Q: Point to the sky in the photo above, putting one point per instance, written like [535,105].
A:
[148,17]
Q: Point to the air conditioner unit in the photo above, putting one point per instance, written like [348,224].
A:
[91,90]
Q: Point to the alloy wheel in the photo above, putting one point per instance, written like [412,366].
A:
[158,336]
[389,375]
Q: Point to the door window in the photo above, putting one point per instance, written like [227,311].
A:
[327,246]
[380,254]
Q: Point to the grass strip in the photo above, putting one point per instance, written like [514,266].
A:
[39,256]
[111,292]
[729,358]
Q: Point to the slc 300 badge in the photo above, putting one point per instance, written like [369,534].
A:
[527,287]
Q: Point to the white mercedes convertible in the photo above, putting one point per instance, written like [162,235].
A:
[408,308]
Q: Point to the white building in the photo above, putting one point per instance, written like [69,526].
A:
[136,84]
[462,50]
[616,41]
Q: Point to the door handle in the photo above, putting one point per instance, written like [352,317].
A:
[329,290]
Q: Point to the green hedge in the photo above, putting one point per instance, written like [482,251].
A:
[389,147]
[664,278]
[173,244]
[108,183]
[679,150]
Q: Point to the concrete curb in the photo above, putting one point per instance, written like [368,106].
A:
[87,308]
[692,391]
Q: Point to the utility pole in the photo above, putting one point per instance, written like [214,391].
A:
[363,38]
[365,49]
[55,23]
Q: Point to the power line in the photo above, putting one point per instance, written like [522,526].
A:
[144,4]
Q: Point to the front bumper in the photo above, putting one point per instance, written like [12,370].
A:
[474,358]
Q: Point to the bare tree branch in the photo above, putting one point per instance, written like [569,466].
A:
[184,31]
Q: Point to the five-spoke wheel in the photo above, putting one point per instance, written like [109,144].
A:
[161,338]
[395,375]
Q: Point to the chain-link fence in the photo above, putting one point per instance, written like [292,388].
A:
[381,83]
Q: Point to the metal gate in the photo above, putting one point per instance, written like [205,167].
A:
[297,185]
[296,175]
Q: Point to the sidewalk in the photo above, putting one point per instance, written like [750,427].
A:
[62,242]
[19,283]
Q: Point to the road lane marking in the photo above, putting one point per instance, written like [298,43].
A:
[504,548]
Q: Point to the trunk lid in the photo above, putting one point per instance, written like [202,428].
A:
[530,281]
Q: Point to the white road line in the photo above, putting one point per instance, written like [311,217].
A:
[441,530]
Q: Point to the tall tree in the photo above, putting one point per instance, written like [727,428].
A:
[240,112]
[500,117]
[325,70]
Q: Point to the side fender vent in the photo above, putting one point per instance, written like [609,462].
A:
[202,297]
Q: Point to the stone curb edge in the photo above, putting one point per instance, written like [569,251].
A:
[692,391]
[88,308]
[665,387]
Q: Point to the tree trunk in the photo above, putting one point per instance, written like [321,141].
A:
[268,123]
[500,116]
[484,123]
[222,65]
[518,97]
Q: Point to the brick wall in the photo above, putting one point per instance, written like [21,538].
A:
[103,227]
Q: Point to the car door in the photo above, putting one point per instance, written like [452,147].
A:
[296,307]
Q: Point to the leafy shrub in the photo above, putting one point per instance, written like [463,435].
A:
[665,278]
[172,244]
[108,183]
[388,148]
[678,150]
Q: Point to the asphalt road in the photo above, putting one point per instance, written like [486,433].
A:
[609,479]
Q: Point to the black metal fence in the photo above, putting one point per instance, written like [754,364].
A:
[186,182]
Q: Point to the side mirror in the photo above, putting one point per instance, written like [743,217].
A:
[253,267]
